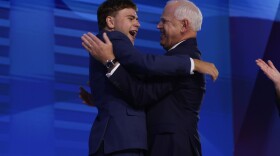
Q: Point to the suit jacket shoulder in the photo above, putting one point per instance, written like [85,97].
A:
[187,47]
[117,35]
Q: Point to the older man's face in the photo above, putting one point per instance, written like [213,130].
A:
[170,27]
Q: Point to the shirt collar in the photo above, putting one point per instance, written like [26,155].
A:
[176,45]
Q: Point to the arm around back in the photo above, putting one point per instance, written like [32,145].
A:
[148,64]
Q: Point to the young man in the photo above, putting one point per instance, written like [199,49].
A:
[120,129]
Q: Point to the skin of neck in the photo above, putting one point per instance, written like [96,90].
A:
[108,29]
[188,35]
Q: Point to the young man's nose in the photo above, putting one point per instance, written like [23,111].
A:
[137,24]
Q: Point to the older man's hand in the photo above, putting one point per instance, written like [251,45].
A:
[206,68]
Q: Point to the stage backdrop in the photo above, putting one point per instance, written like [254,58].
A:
[42,66]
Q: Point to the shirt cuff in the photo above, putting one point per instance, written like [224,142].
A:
[192,66]
[113,70]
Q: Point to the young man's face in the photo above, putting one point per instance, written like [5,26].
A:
[126,21]
[170,27]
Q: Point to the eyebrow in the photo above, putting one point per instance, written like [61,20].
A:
[133,16]
[164,19]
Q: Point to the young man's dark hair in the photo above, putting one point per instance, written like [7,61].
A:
[110,8]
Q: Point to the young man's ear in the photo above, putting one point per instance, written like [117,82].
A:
[110,22]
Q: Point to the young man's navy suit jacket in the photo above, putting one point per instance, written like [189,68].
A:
[176,112]
[118,125]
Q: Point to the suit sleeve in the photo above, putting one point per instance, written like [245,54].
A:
[140,93]
[147,64]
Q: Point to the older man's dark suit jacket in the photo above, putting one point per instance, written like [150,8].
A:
[118,125]
[177,112]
